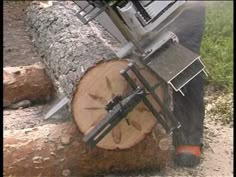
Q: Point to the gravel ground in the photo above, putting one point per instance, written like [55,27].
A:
[217,158]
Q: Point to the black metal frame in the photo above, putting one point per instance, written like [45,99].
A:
[165,117]
[113,117]
[119,107]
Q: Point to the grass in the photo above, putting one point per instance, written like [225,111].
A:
[217,44]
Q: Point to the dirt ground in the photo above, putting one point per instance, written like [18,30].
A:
[17,47]
[217,158]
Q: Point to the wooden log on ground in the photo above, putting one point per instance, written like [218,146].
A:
[57,150]
[26,83]
[81,58]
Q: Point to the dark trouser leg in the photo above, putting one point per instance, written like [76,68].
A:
[189,109]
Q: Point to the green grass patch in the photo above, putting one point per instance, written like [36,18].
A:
[217,44]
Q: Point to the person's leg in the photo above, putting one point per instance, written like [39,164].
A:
[189,109]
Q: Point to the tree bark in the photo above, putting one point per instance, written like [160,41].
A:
[68,47]
[57,150]
[26,83]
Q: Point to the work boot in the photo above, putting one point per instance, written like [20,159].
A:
[187,155]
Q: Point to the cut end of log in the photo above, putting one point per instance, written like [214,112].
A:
[96,88]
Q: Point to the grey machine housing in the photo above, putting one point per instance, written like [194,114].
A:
[177,65]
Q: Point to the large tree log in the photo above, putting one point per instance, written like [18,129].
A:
[71,50]
[68,47]
[26,83]
[57,150]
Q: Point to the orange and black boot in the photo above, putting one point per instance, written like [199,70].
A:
[187,150]
[187,155]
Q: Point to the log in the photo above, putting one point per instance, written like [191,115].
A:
[68,48]
[74,55]
[57,150]
[26,83]
[98,86]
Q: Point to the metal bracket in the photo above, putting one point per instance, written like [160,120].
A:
[119,107]
[176,65]
[167,119]
[155,42]
[113,117]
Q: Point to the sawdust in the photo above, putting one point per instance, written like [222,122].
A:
[217,158]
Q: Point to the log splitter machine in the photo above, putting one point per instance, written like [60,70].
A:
[140,26]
